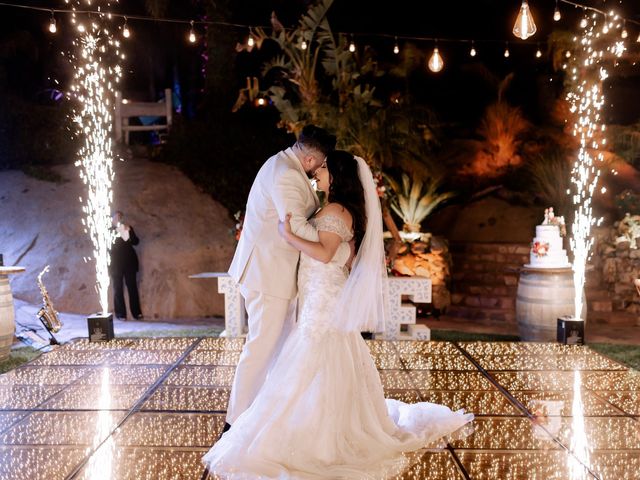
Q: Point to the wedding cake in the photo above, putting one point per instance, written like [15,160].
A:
[546,248]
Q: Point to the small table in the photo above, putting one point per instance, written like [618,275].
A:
[235,317]
[7,313]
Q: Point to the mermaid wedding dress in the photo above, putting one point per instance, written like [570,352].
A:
[321,412]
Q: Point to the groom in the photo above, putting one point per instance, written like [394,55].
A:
[265,265]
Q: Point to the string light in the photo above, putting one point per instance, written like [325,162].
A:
[125,29]
[638,39]
[192,34]
[538,52]
[396,48]
[435,62]
[524,27]
[624,33]
[556,13]
[472,52]
[303,42]
[52,23]
[506,51]
[250,40]
[352,46]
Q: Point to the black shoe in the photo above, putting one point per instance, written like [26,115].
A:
[367,335]
[224,430]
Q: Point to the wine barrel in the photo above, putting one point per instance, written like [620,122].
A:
[7,318]
[543,296]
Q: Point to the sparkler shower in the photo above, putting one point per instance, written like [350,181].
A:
[593,49]
[96,70]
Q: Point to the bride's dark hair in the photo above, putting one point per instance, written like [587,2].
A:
[346,189]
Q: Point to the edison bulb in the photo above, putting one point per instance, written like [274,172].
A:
[524,26]
[435,62]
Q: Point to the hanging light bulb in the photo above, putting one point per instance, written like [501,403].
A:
[524,26]
[638,39]
[506,51]
[538,53]
[52,23]
[472,52]
[624,33]
[192,34]
[583,22]
[352,46]
[435,62]
[303,44]
[125,29]
[250,40]
[567,54]
[396,48]
[556,13]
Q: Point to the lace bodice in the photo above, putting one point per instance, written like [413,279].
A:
[319,284]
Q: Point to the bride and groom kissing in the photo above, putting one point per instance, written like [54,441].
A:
[307,400]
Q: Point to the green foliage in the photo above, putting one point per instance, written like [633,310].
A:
[628,201]
[550,179]
[32,134]
[17,357]
[626,354]
[624,141]
[414,201]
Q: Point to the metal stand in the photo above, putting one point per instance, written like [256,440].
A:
[53,340]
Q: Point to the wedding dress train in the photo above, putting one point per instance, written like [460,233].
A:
[321,412]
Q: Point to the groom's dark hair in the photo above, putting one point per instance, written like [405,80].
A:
[318,139]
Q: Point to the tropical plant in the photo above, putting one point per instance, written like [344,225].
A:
[413,201]
[501,130]
[550,181]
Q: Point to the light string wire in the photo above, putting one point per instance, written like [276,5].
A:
[352,34]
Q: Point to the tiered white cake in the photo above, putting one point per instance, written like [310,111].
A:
[546,248]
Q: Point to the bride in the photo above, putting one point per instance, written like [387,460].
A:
[321,413]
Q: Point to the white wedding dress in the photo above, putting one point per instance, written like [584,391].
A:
[321,412]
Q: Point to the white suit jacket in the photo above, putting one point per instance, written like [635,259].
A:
[263,261]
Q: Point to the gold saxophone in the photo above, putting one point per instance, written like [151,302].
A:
[47,314]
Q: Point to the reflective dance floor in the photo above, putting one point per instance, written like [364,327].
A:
[150,408]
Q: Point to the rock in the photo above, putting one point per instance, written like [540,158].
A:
[182,231]
[623,245]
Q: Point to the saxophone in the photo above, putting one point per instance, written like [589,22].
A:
[47,314]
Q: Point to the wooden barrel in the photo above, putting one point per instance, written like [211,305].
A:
[543,296]
[7,318]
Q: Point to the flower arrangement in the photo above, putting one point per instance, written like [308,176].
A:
[629,229]
[237,230]
[540,249]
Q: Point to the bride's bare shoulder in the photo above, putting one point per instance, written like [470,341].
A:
[336,210]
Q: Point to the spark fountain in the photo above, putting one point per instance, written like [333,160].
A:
[96,71]
[594,48]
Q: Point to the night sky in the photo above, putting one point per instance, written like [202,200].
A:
[158,53]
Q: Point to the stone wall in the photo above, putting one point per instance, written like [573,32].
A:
[616,265]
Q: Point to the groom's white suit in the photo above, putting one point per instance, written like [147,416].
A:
[265,266]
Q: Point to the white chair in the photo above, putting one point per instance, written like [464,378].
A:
[125,110]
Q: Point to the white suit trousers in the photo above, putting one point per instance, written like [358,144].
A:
[269,320]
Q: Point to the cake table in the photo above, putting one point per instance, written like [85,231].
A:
[7,314]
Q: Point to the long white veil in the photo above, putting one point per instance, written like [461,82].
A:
[362,304]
